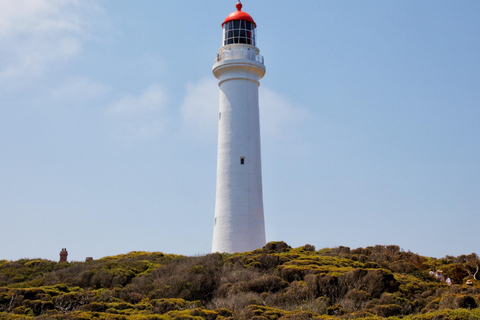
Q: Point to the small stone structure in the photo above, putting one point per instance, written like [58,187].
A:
[63,255]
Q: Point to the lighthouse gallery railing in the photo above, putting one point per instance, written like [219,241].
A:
[239,54]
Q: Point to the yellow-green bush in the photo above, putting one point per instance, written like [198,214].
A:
[270,283]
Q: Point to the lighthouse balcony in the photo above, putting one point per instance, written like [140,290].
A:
[239,53]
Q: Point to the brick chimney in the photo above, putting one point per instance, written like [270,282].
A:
[63,255]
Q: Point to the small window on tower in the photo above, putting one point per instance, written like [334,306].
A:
[219,116]
[242,160]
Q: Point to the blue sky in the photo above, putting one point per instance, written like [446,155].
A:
[108,129]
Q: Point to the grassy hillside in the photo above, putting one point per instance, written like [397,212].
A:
[276,282]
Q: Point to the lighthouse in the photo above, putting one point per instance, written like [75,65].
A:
[239,220]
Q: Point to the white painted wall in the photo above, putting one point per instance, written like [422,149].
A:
[239,220]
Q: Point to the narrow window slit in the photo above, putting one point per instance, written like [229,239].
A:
[242,160]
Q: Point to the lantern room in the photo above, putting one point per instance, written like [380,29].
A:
[239,27]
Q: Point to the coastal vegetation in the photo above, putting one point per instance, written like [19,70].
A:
[275,282]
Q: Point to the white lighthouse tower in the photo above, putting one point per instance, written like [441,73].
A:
[239,222]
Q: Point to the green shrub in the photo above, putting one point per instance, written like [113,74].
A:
[23,310]
[277,246]
[309,247]
[38,306]
[388,310]
[13,316]
[162,306]
[299,315]
[267,284]
[335,310]
[465,302]
[270,283]
[263,311]
[355,300]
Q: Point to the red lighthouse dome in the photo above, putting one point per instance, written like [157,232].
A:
[239,28]
[239,15]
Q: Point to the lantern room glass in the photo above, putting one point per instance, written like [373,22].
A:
[239,31]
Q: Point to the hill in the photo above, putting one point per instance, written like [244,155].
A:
[276,282]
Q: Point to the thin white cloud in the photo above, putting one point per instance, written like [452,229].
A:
[139,117]
[279,117]
[199,109]
[36,35]
[78,89]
